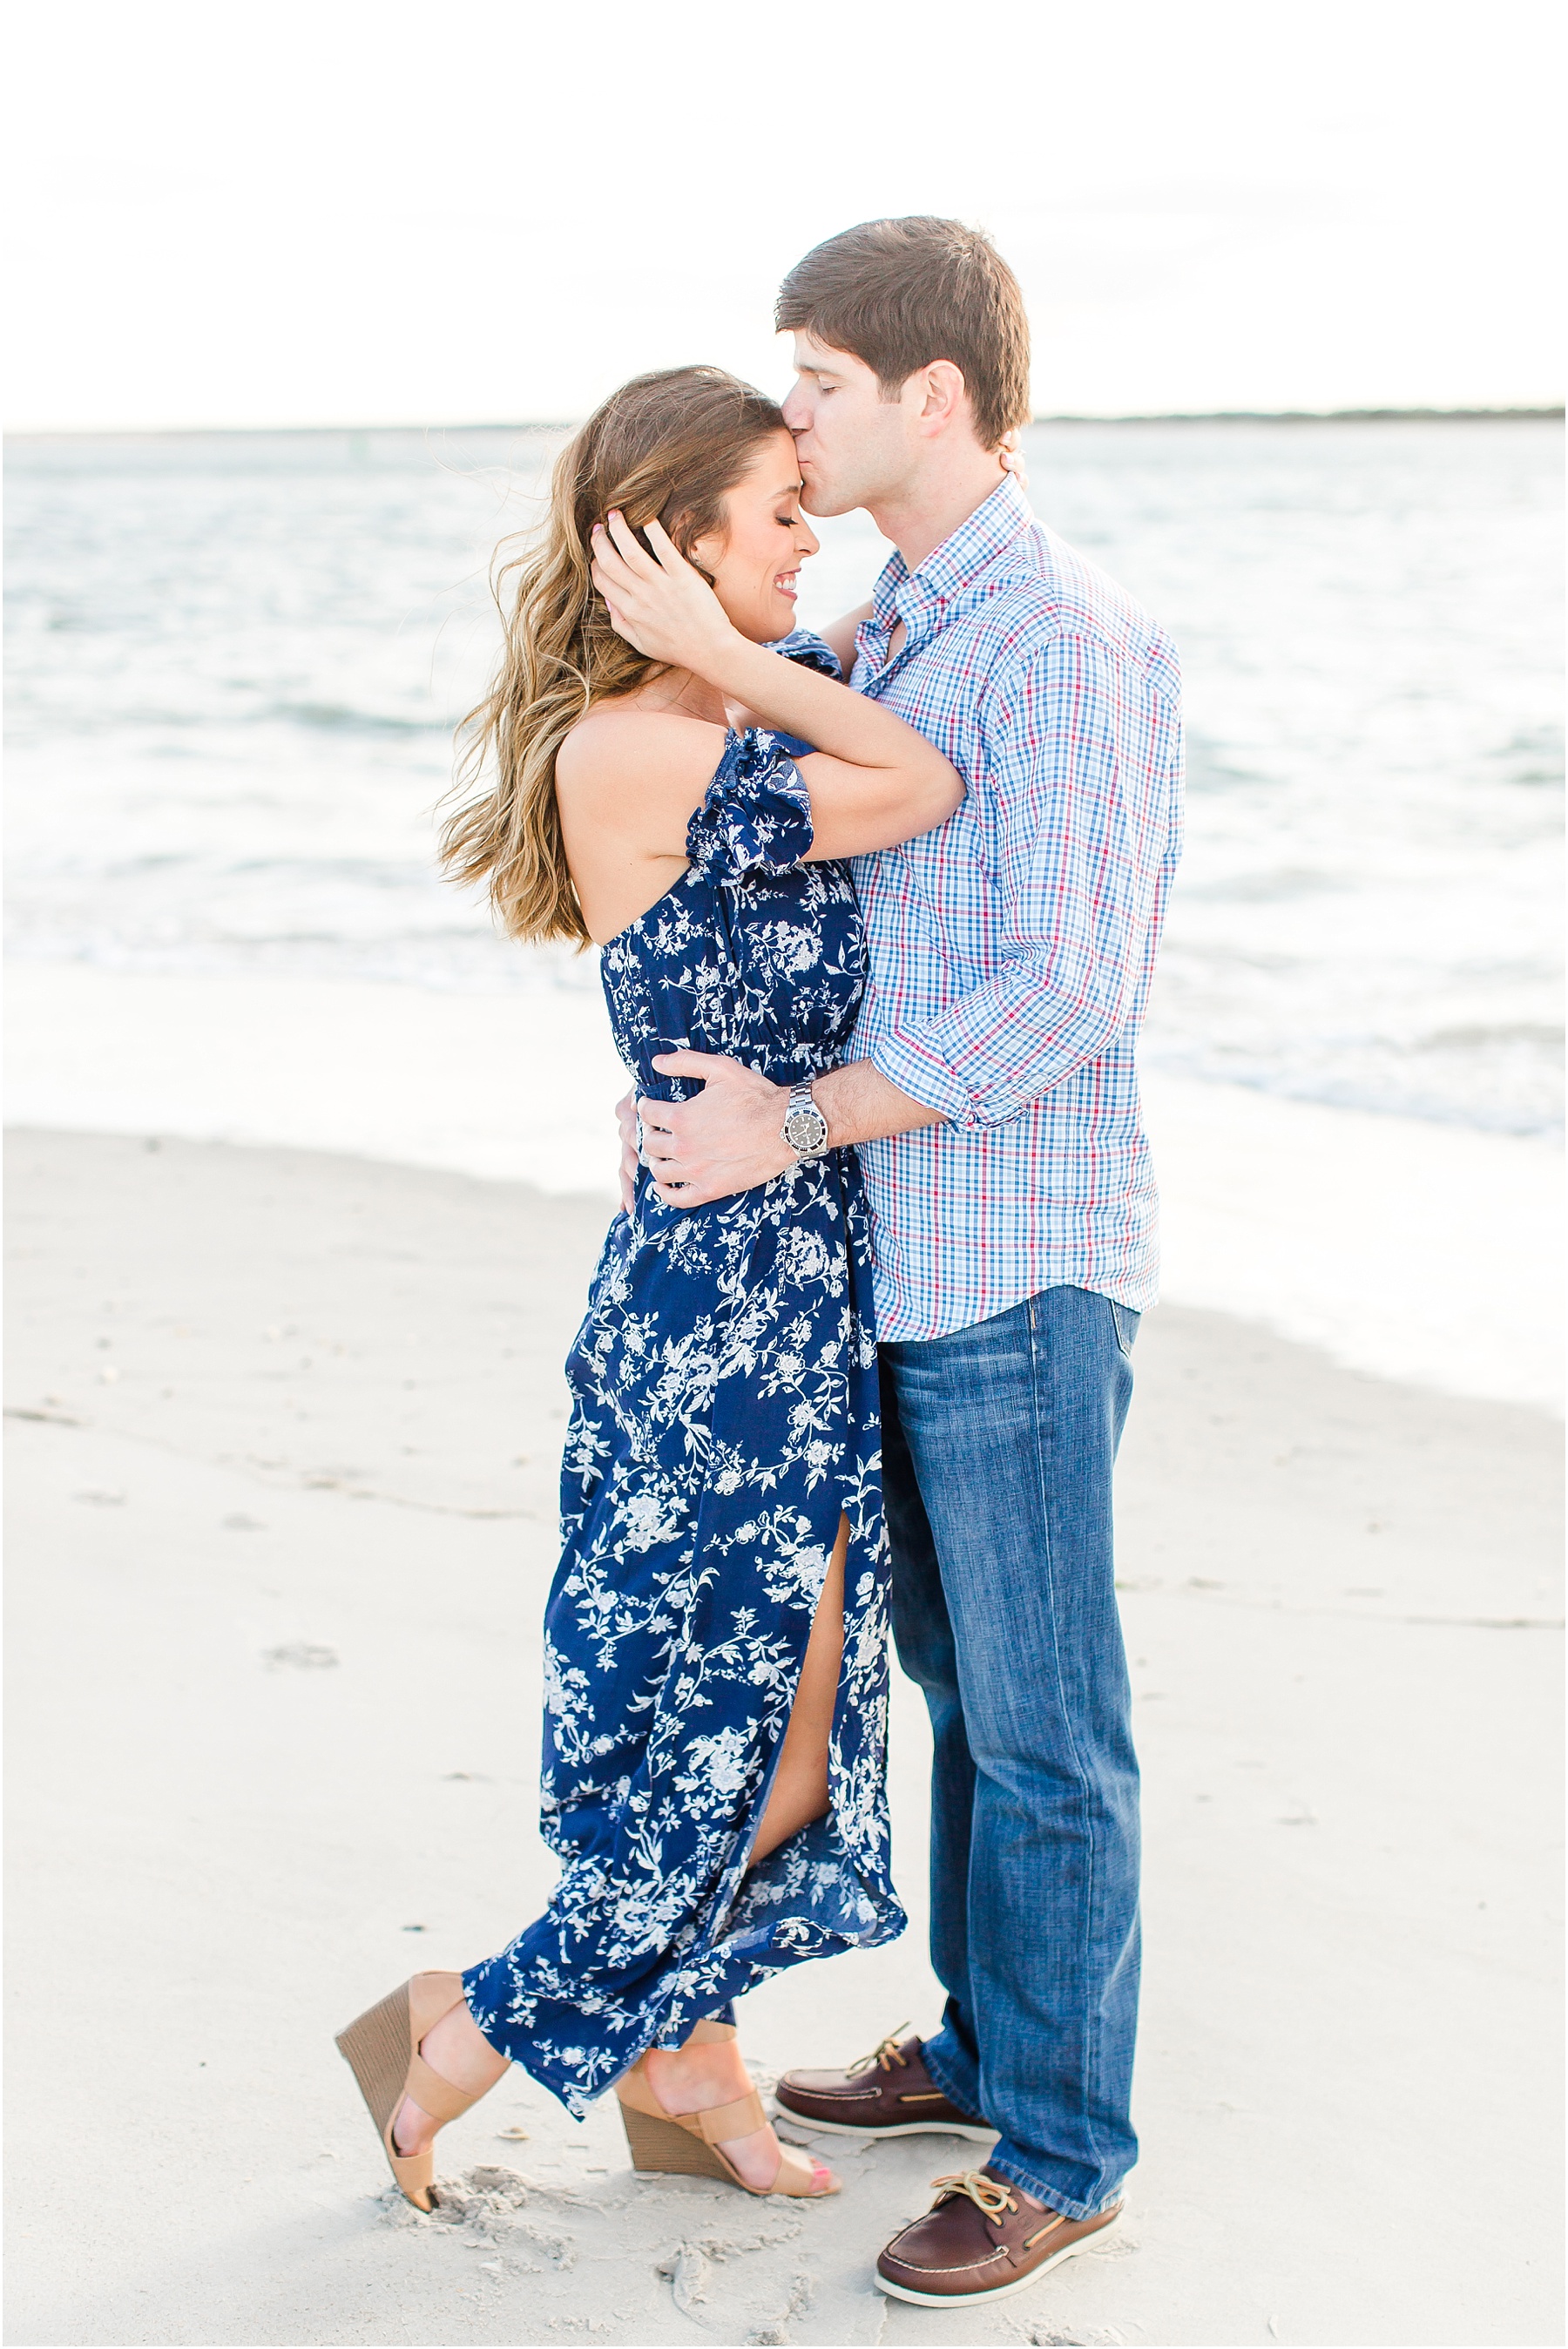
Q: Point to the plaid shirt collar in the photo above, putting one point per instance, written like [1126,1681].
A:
[923,599]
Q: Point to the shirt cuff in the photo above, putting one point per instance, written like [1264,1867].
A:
[909,1064]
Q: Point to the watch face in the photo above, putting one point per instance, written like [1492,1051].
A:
[805,1129]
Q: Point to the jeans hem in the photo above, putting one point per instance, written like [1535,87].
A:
[1004,2160]
[947,2085]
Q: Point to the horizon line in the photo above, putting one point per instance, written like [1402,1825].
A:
[1066,416]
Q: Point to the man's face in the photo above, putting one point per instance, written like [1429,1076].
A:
[855,447]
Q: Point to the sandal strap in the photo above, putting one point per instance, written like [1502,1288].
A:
[721,2121]
[709,2033]
[790,2154]
[432,2094]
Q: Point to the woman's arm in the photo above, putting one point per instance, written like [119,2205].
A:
[628,782]
[873,781]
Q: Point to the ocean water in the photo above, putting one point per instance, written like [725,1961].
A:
[235,661]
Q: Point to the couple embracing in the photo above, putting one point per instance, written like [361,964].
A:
[878,913]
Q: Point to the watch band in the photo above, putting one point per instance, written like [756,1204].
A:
[805,1129]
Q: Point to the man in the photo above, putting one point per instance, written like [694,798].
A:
[995,1103]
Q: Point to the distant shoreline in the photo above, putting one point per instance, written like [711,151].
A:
[568,424]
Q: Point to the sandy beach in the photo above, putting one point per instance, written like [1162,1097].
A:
[284,1436]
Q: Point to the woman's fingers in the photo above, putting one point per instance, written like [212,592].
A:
[612,603]
[610,561]
[635,557]
[622,586]
[664,605]
[664,547]
[615,590]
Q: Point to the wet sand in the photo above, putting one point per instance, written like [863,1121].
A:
[285,1431]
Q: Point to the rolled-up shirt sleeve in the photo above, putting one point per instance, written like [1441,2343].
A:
[1082,754]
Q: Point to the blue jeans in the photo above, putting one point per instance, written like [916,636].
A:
[998,1446]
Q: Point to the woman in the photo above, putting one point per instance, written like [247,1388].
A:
[714,1637]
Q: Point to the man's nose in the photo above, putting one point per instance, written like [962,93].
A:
[797,415]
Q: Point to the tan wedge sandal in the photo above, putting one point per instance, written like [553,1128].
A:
[382,2051]
[687,2145]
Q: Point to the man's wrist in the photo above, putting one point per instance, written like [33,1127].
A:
[862,1105]
[833,1093]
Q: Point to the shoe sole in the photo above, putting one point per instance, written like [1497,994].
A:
[374,2046]
[899,2129]
[662,2149]
[998,2292]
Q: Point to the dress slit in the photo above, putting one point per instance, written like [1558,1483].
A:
[827,1699]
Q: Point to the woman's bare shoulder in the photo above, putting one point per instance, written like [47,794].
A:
[618,743]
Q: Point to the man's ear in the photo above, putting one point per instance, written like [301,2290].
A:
[944,397]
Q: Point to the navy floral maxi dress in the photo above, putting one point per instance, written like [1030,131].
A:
[724,1416]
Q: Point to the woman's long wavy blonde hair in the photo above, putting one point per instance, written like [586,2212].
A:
[671,445]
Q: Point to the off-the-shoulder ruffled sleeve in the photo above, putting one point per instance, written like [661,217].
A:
[756,816]
[801,644]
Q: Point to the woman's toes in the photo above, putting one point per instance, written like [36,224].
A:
[804,2173]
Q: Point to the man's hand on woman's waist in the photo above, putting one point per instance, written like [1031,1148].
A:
[730,1136]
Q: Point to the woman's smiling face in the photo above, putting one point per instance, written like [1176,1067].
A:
[755,562]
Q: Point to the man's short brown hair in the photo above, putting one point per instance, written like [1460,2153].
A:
[900,293]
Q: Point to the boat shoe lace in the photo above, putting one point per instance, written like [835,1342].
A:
[883,2055]
[990,2198]
[988,2194]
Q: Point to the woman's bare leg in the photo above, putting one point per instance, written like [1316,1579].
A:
[800,1787]
[688,2079]
[458,2049]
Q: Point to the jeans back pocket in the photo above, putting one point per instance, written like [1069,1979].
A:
[1127,1323]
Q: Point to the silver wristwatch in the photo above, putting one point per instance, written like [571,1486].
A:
[805,1129]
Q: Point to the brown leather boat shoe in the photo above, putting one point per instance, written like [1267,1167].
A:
[888,2092]
[980,2241]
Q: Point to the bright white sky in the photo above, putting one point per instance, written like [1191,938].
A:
[361,211]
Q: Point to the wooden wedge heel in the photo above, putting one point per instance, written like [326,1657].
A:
[381,2048]
[691,2145]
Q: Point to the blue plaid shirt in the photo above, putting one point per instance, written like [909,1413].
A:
[1012,948]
